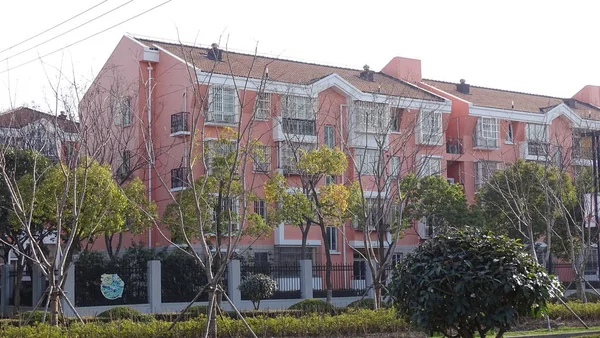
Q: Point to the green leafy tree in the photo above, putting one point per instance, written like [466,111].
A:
[258,287]
[526,200]
[78,203]
[468,281]
[436,201]
[311,202]
[19,163]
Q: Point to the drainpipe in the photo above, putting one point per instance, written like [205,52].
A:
[149,145]
[344,258]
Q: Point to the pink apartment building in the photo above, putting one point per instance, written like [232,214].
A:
[426,127]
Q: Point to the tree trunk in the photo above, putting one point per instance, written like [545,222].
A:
[17,288]
[328,266]
[54,307]
[377,288]
[303,250]
[212,323]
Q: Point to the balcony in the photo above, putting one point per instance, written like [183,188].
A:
[299,127]
[535,150]
[220,118]
[582,155]
[179,124]
[454,146]
[179,179]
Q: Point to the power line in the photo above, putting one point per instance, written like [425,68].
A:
[89,37]
[51,28]
[70,30]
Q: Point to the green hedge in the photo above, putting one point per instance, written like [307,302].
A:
[583,310]
[313,305]
[358,322]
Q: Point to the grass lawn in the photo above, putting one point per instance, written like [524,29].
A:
[562,329]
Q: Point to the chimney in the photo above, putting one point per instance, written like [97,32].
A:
[214,53]
[367,74]
[463,87]
[404,69]
[62,115]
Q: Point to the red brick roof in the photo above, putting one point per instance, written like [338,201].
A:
[22,116]
[289,71]
[504,99]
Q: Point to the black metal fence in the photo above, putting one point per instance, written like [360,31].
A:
[345,281]
[286,276]
[88,281]
[26,290]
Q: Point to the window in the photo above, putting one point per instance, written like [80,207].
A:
[509,134]
[218,153]
[484,170]
[359,267]
[396,119]
[430,127]
[122,111]
[367,161]
[582,146]
[332,238]
[222,105]
[486,133]
[261,157]
[125,167]
[179,178]
[396,258]
[536,132]
[370,116]
[395,166]
[228,214]
[261,209]
[329,136]
[289,153]
[263,106]
[379,213]
[69,152]
[297,107]
[429,165]
[329,179]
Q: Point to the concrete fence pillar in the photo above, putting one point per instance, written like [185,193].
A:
[306,279]
[233,281]
[6,289]
[154,285]
[38,284]
[69,290]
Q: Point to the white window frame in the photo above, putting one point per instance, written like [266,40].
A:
[288,154]
[210,146]
[371,117]
[486,133]
[263,106]
[261,159]
[540,135]
[261,205]
[297,107]
[329,135]
[484,170]
[235,203]
[223,109]
[394,166]
[367,161]
[332,238]
[428,167]
[430,127]
[122,111]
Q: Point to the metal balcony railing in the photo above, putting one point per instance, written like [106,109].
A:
[179,123]
[179,178]
[299,127]
[454,146]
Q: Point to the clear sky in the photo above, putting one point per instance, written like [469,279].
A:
[546,47]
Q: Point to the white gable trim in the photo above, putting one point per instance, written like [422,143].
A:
[528,117]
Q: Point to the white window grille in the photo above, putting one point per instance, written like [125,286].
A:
[429,165]
[367,161]
[395,166]
[222,105]
[228,214]
[290,152]
[260,208]
[371,117]
[263,106]
[486,133]
[297,107]
[430,127]
[484,170]
[537,139]
[261,158]
[329,136]
[215,149]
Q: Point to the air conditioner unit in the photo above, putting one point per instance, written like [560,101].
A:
[450,180]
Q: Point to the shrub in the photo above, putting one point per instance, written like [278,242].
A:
[467,281]
[258,287]
[32,317]
[592,297]
[123,312]
[585,311]
[365,303]
[313,305]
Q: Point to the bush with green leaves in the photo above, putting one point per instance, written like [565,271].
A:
[257,287]
[467,281]
[365,303]
[313,305]
[123,312]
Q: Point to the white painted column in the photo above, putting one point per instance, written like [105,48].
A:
[306,279]
[154,285]
[233,281]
